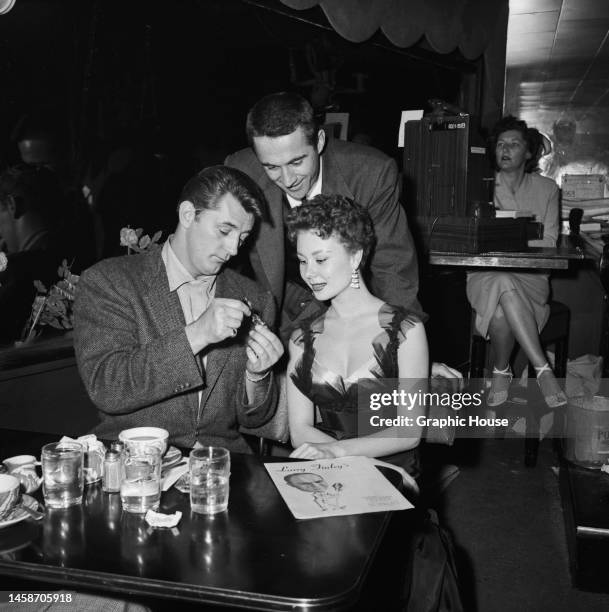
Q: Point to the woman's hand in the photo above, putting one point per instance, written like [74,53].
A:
[318,450]
[453,378]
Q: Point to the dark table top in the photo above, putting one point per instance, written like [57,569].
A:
[255,555]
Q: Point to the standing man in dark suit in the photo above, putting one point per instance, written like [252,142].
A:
[161,337]
[291,159]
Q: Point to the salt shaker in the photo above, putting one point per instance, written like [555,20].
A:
[117,446]
[113,471]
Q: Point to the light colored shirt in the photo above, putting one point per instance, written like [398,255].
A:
[315,190]
[537,194]
[195,295]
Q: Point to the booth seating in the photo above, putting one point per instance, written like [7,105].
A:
[554,334]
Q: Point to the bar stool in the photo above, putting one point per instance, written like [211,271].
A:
[554,333]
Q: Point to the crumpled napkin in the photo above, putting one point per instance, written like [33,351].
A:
[95,452]
[89,442]
[584,375]
[158,519]
[172,475]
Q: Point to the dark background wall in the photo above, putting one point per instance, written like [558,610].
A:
[162,89]
[186,72]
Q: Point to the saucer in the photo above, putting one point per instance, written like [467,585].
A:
[18,514]
[171,457]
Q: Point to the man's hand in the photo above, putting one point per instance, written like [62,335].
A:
[318,450]
[263,350]
[219,321]
[441,370]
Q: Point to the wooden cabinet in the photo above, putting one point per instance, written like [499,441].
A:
[446,170]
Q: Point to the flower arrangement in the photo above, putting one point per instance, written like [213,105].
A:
[54,306]
[135,241]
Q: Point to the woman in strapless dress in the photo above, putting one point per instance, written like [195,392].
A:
[358,338]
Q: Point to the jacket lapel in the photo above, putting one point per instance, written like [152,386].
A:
[165,307]
[218,355]
[271,235]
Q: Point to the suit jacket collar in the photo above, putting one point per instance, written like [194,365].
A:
[333,180]
[154,276]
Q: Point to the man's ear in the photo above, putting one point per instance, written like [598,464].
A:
[186,213]
[321,140]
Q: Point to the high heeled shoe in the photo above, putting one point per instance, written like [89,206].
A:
[553,395]
[500,385]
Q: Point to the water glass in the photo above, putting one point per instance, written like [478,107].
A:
[209,474]
[62,474]
[141,484]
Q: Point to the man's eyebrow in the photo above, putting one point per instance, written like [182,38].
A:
[234,226]
[291,161]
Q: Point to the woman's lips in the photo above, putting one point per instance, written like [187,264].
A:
[317,286]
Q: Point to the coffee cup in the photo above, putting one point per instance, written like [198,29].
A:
[9,494]
[20,461]
[144,437]
[24,468]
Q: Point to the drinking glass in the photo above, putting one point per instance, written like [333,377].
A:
[209,474]
[62,474]
[141,484]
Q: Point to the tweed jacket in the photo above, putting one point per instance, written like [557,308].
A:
[137,365]
[369,177]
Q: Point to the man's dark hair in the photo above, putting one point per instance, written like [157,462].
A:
[280,114]
[532,138]
[33,188]
[206,187]
[334,215]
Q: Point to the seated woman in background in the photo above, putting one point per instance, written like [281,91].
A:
[359,336]
[513,306]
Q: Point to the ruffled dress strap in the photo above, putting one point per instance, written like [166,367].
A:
[304,338]
[395,321]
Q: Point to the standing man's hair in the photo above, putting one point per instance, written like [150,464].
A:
[206,187]
[280,114]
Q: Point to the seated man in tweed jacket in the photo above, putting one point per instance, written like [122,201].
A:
[164,338]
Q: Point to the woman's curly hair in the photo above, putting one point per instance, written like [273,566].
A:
[333,215]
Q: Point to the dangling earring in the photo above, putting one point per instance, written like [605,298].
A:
[355,279]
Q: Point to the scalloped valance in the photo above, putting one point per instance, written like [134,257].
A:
[468,25]
[475,27]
